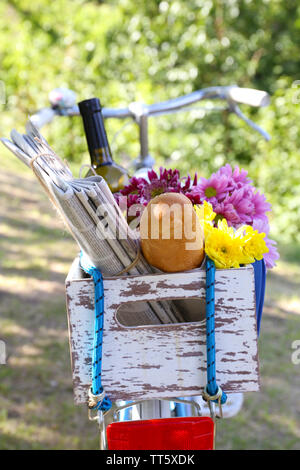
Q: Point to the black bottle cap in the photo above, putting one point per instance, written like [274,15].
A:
[92,105]
[95,134]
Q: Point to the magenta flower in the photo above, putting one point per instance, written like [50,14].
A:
[262,226]
[242,205]
[166,181]
[135,199]
[186,183]
[155,188]
[232,196]
[194,196]
[213,189]
[237,178]
[226,210]
[236,207]
[272,254]
[134,186]
[141,191]
[135,205]
[261,206]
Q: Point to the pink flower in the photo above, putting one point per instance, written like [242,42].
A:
[194,195]
[236,207]
[133,186]
[155,188]
[141,191]
[263,227]
[272,254]
[226,210]
[214,188]
[166,181]
[242,205]
[237,178]
[187,184]
[261,206]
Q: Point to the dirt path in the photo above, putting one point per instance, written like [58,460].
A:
[36,403]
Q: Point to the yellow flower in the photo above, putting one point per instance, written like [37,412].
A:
[243,256]
[227,247]
[206,216]
[253,242]
[222,225]
[223,249]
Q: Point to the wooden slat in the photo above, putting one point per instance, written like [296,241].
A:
[145,362]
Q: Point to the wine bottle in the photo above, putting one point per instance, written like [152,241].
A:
[100,153]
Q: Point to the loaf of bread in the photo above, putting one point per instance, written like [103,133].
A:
[172,239]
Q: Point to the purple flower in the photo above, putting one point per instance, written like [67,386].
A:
[194,195]
[166,181]
[226,210]
[236,207]
[134,186]
[155,188]
[242,205]
[262,226]
[237,178]
[141,191]
[272,254]
[187,184]
[233,196]
[214,188]
[261,206]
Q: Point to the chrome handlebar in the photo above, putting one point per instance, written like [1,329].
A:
[63,103]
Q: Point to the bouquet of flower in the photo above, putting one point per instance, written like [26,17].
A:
[232,212]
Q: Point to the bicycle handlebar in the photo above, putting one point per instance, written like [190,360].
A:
[249,96]
[63,103]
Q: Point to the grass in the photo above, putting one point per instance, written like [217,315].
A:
[36,400]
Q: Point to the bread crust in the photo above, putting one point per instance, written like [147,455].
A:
[172,239]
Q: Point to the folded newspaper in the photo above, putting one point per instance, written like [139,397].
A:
[92,216]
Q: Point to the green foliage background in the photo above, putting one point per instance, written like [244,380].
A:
[153,50]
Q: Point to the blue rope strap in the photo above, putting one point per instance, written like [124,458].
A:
[97,398]
[212,391]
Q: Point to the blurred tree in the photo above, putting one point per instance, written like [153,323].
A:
[129,50]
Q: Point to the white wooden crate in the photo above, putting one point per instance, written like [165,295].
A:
[156,361]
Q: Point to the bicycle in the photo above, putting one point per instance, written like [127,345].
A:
[63,103]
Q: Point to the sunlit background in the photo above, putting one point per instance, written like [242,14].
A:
[149,51]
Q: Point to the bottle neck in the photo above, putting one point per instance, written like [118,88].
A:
[101,156]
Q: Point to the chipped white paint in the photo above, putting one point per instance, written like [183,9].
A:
[164,360]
